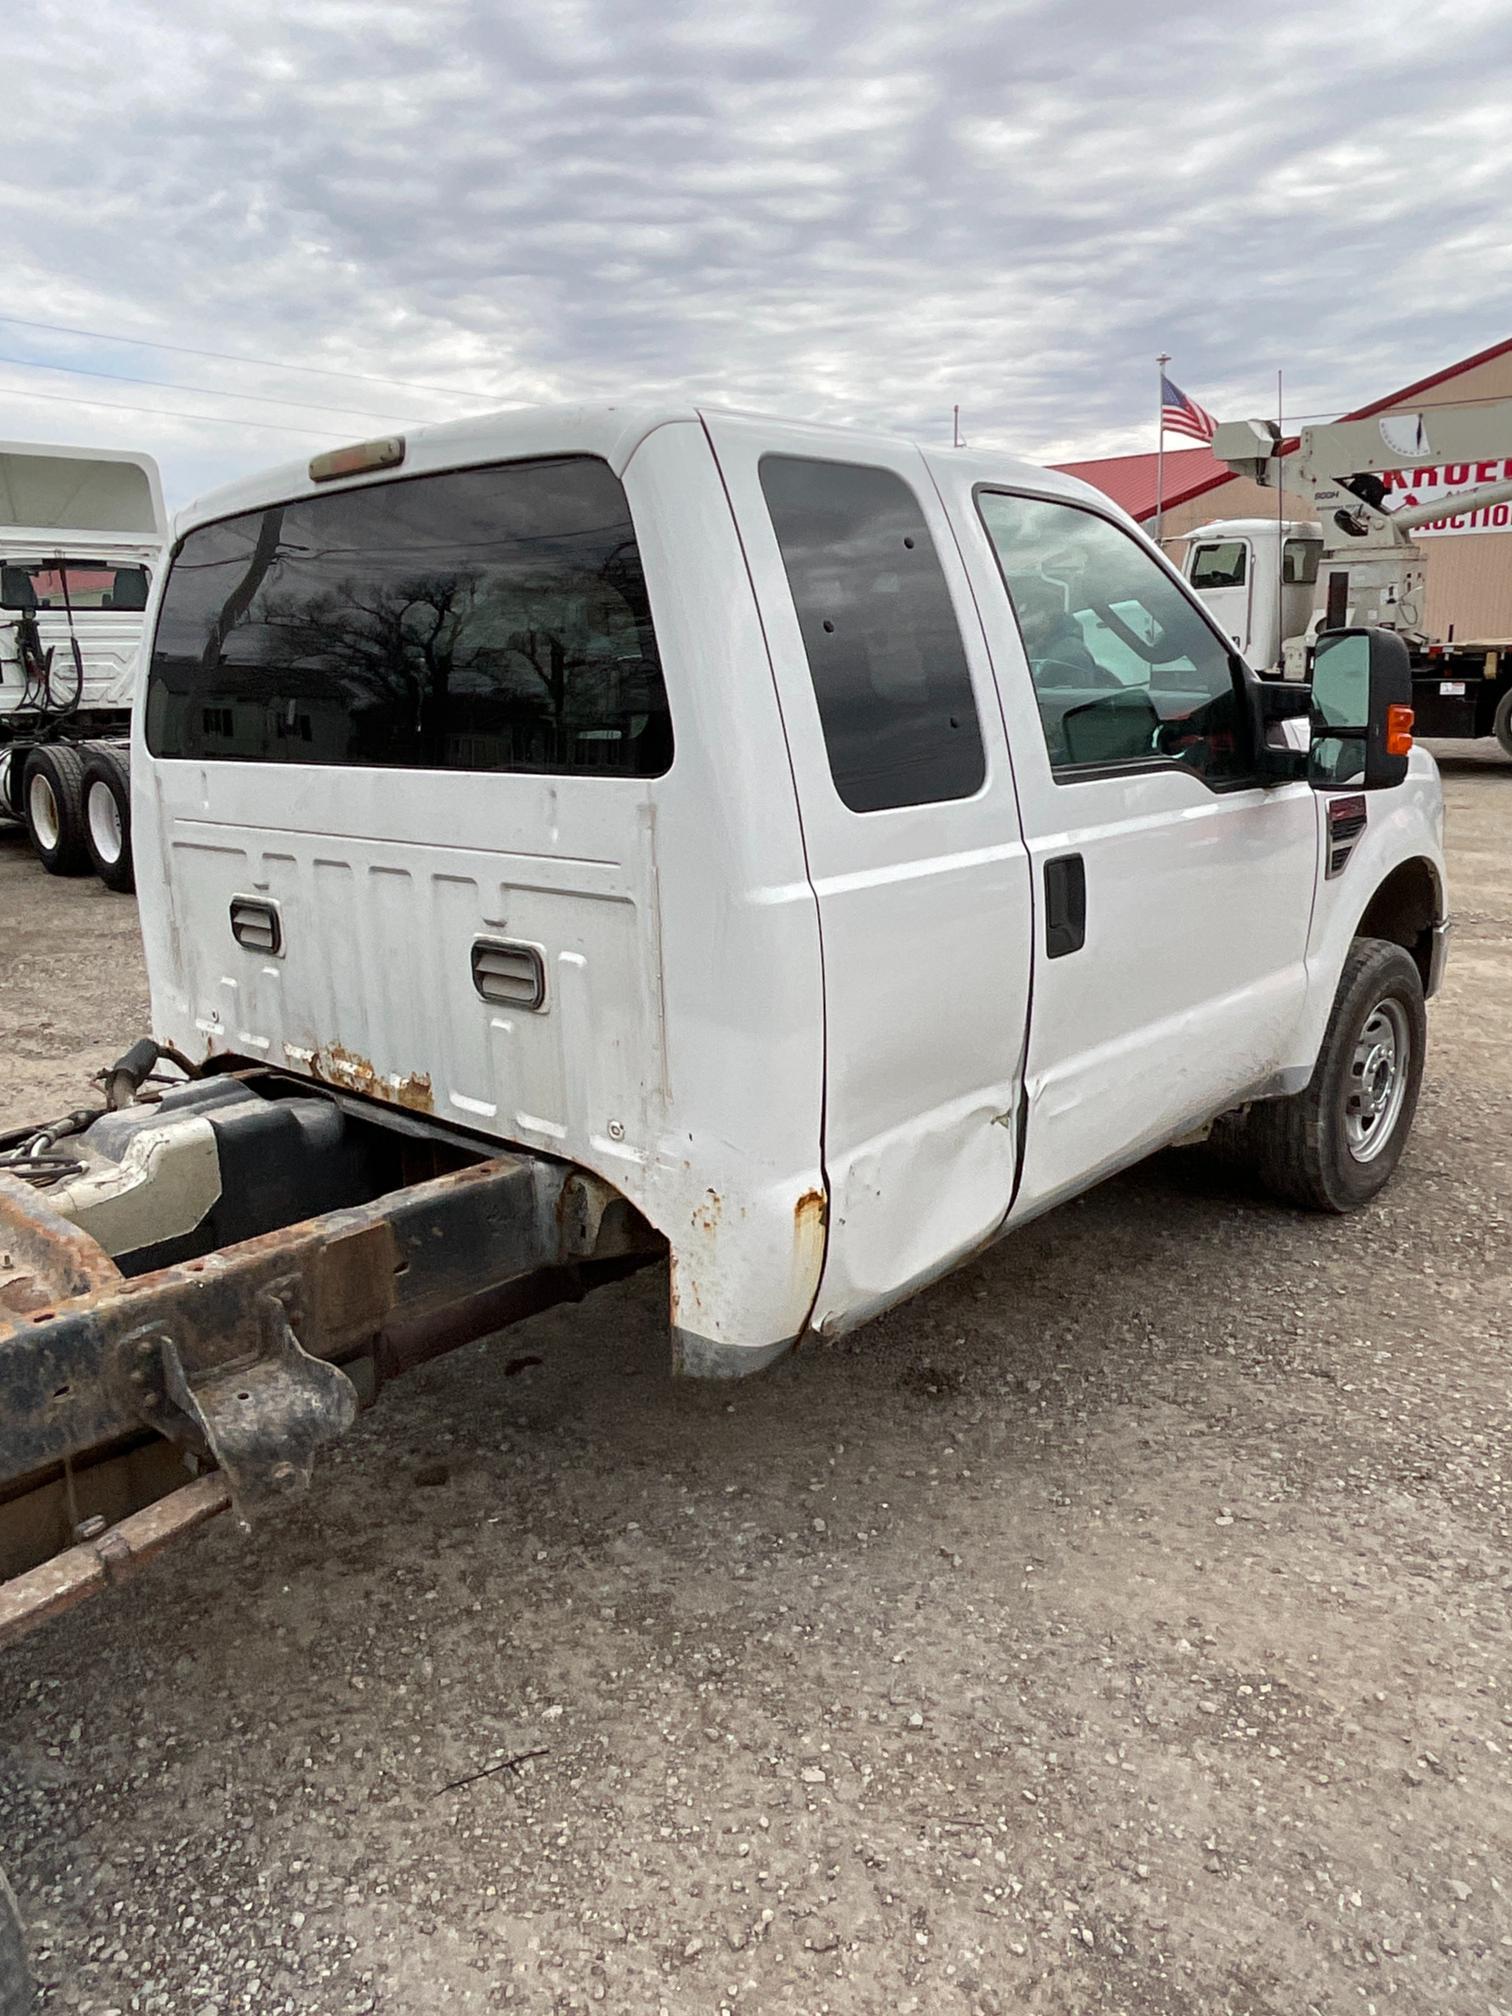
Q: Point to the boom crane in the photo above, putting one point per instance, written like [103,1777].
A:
[1369,569]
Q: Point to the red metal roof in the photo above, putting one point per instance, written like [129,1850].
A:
[1130,479]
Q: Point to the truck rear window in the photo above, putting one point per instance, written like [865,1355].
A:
[36,585]
[478,619]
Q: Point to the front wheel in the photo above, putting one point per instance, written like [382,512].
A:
[1501,726]
[1333,1146]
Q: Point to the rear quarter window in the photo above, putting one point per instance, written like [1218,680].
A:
[477,619]
[880,633]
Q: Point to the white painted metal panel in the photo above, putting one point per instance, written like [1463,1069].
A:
[678,1053]
[925,920]
[1192,983]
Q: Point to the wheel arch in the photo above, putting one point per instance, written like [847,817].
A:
[1406,905]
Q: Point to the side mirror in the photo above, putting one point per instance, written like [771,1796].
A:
[1361,710]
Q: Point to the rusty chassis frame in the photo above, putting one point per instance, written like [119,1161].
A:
[249,1358]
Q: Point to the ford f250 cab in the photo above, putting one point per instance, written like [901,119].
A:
[579,840]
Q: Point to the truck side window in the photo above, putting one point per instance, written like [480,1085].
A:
[1125,667]
[1299,562]
[476,619]
[883,644]
[1220,565]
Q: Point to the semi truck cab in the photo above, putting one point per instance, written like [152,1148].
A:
[82,533]
[1259,577]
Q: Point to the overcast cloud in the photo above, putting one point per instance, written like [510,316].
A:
[854,213]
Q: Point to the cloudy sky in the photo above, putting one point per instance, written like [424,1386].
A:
[861,213]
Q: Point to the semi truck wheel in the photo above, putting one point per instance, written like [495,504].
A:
[12,764]
[1334,1145]
[1501,726]
[107,817]
[53,803]
[15,1975]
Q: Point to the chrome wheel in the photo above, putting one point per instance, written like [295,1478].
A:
[105,830]
[1376,1084]
[42,808]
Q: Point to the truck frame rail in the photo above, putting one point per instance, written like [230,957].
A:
[245,1360]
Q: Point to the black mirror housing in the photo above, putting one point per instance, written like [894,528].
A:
[1271,702]
[1361,710]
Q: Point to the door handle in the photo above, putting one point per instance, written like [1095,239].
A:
[1065,905]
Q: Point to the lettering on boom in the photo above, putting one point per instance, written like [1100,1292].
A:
[1454,482]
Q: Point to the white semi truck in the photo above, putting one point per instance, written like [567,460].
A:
[576,841]
[1275,585]
[82,534]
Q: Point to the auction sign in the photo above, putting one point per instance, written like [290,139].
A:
[1456,483]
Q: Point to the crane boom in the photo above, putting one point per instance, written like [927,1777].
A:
[1367,569]
[1430,438]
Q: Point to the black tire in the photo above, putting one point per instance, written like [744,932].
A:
[53,804]
[1302,1146]
[10,791]
[15,1975]
[1501,726]
[107,792]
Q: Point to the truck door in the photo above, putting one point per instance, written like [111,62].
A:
[1222,571]
[1175,893]
[914,847]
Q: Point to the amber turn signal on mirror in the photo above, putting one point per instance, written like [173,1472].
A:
[1398,731]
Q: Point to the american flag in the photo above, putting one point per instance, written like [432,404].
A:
[1180,415]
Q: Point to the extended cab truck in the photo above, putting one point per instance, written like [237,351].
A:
[578,839]
[82,532]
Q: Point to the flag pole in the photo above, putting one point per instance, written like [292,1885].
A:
[1160,363]
[1280,518]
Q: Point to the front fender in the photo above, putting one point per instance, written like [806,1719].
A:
[1402,825]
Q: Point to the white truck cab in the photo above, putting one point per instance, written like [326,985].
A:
[1259,578]
[82,533]
[844,849]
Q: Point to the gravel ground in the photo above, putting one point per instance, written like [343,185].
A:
[1123,1625]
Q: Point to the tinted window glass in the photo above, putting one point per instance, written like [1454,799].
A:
[1125,667]
[1220,566]
[1299,562]
[73,584]
[484,619]
[884,648]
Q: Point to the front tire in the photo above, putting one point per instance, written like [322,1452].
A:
[107,817]
[1336,1145]
[52,801]
[1501,726]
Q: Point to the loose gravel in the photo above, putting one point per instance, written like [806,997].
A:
[1123,1625]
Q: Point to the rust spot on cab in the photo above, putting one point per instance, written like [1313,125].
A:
[810,1216]
[810,1213]
[350,1070]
